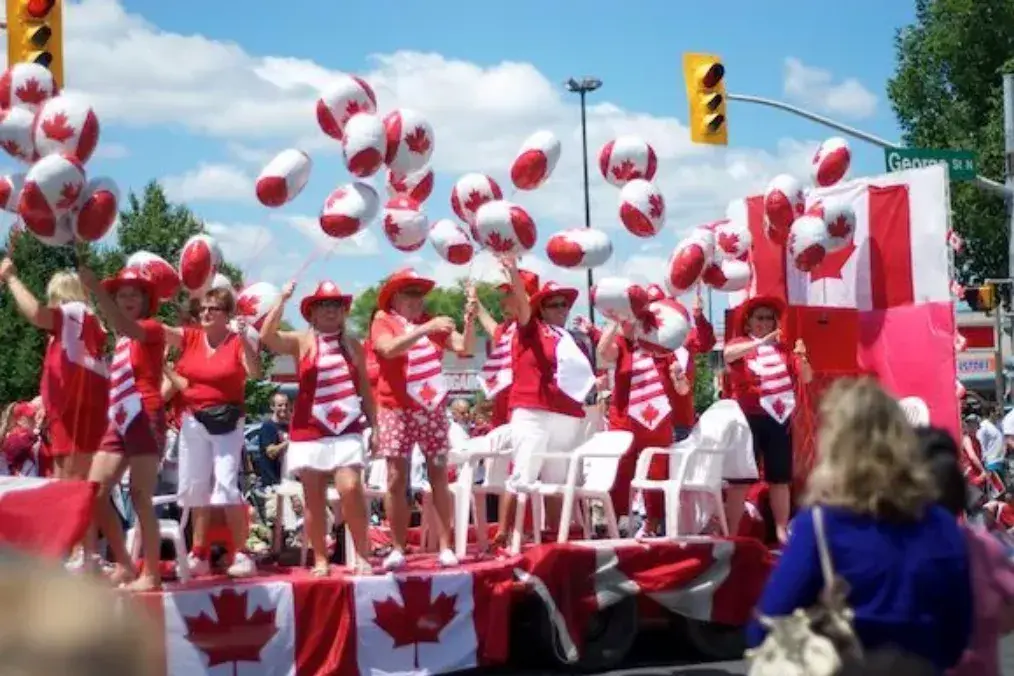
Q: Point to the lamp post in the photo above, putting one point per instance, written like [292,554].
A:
[582,87]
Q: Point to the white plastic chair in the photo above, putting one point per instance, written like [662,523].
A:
[494,450]
[696,463]
[168,529]
[591,472]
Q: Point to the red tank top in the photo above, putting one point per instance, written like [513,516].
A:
[215,377]
[74,381]
[303,426]
[534,364]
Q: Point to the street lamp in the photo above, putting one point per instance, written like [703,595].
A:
[581,88]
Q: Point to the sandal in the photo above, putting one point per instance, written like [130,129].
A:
[121,576]
[143,583]
[321,571]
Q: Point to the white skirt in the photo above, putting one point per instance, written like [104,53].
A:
[326,454]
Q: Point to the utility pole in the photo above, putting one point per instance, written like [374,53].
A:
[998,369]
[582,88]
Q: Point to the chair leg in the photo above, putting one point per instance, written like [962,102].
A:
[519,523]
[566,516]
[182,567]
[612,524]
[672,512]
[462,499]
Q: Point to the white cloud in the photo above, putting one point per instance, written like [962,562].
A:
[363,243]
[241,244]
[815,87]
[209,182]
[111,151]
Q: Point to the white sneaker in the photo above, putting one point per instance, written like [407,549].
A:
[242,566]
[394,560]
[447,559]
[198,567]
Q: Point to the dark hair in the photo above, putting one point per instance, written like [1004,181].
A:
[940,452]
[224,298]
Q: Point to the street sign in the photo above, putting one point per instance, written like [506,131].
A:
[960,163]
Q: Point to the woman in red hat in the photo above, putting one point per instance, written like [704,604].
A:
[213,367]
[652,398]
[411,392]
[135,435]
[762,377]
[75,386]
[332,410]
[552,376]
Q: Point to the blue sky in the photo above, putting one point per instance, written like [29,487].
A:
[199,95]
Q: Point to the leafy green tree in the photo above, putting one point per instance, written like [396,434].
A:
[704,383]
[947,92]
[449,302]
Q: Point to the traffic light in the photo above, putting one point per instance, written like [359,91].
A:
[982,298]
[35,34]
[704,76]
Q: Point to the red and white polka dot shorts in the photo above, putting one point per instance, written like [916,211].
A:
[399,430]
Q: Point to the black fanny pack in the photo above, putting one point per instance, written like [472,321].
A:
[220,419]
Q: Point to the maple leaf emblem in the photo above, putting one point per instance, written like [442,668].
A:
[351,109]
[499,244]
[57,129]
[418,142]
[31,92]
[418,619]
[831,266]
[233,637]
[656,206]
[335,415]
[491,380]
[246,306]
[427,392]
[728,241]
[69,195]
[475,200]
[391,228]
[779,407]
[121,416]
[12,148]
[800,203]
[839,227]
[625,170]
[335,197]
[649,413]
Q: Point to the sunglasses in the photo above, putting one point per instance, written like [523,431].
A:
[765,318]
[331,304]
[556,305]
[413,293]
[211,308]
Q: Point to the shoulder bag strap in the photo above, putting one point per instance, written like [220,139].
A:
[826,565]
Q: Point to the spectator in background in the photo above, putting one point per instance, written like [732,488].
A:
[991,439]
[19,438]
[461,413]
[273,441]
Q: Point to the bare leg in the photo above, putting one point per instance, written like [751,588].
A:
[77,466]
[436,469]
[315,523]
[238,519]
[735,497]
[106,470]
[143,479]
[505,524]
[348,481]
[780,505]
[396,502]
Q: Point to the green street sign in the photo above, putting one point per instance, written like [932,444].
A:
[960,163]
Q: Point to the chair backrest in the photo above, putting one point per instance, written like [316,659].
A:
[722,427]
[598,473]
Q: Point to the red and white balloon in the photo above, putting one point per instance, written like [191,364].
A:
[535,161]
[347,96]
[98,211]
[619,299]
[732,240]
[10,191]
[688,260]
[784,202]
[66,125]
[655,292]
[808,242]
[840,219]
[625,158]
[158,270]
[405,225]
[363,145]
[63,233]
[255,301]
[664,327]
[409,141]
[27,85]
[416,186]
[220,281]
[53,187]
[199,261]
[727,275]
[349,209]
[451,242]
[16,134]
[283,178]
[642,208]
[579,248]
[831,161]
[470,192]
[505,228]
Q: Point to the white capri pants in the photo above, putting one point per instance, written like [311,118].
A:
[542,432]
[209,465]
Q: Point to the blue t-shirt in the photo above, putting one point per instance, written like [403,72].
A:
[270,434]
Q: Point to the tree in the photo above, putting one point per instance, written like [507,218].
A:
[947,93]
[704,383]
[440,302]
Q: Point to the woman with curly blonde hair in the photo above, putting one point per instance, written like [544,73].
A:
[903,557]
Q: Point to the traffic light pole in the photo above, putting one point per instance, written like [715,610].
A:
[998,346]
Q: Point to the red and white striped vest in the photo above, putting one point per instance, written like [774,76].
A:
[497,374]
[424,373]
[336,402]
[124,398]
[648,403]
[775,390]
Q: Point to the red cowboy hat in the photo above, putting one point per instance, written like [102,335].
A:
[137,278]
[528,278]
[550,289]
[746,309]
[399,281]
[326,290]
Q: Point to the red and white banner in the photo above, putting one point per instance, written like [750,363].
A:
[45,517]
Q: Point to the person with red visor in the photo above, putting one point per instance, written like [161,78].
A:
[652,397]
[411,394]
[551,378]
[18,440]
[333,407]
[762,377]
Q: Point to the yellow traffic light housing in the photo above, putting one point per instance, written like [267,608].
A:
[987,296]
[35,34]
[704,76]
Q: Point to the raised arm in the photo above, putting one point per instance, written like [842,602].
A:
[280,342]
[251,354]
[37,314]
[524,310]
[606,349]
[464,343]
[123,325]
[486,320]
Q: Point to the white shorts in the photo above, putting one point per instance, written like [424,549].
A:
[326,454]
[498,440]
[535,432]
[209,465]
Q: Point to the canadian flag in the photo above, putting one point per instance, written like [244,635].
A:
[887,293]
[44,516]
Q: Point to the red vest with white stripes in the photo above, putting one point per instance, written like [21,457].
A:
[497,374]
[327,403]
[762,381]
[639,402]
[424,372]
[124,398]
